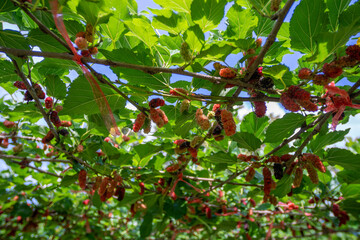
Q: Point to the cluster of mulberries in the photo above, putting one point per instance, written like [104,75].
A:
[315,161]
[158,117]
[295,97]
[81,41]
[340,214]
[27,96]
[202,120]
[108,187]
[228,122]
[184,146]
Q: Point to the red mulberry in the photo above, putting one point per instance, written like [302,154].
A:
[54,118]
[158,117]
[260,109]
[81,43]
[202,120]
[9,124]
[47,139]
[305,73]
[332,70]
[120,193]
[298,177]
[103,186]
[156,102]
[353,51]
[321,79]
[228,122]
[315,161]
[139,122]
[178,92]
[227,73]
[82,179]
[250,175]
[20,85]
[308,105]
[267,180]
[313,175]
[48,102]
[288,103]
[298,93]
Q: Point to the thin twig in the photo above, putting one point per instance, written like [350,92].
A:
[36,99]
[38,169]
[353,88]
[233,176]
[34,159]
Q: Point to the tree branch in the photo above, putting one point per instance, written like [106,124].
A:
[36,99]
[269,42]
[34,159]
[38,169]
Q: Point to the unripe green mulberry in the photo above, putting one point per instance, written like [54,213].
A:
[185,52]
[196,140]
[185,105]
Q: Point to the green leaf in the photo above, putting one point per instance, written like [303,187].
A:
[283,187]
[142,29]
[321,141]
[146,226]
[55,87]
[336,7]
[207,13]
[252,124]
[221,157]
[216,52]
[13,39]
[195,38]
[68,180]
[177,209]
[55,67]
[96,200]
[7,72]
[174,23]
[7,6]
[283,127]
[38,38]
[176,5]
[348,176]
[344,158]
[241,22]
[306,23]
[89,10]
[246,140]
[147,149]
[81,100]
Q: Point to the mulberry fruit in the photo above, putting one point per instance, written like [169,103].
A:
[97,183]
[156,102]
[216,107]
[82,179]
[332,70]
[66,123]
[48,102]
[27,96]
[353,51]
[267,181]
[178,92]
[9,124]
[227,73]
[288,103]
[305,73]
[103,186]
[313,175]
[258,42]
[120,193]
[139,122]
[228,122]
[54,118]
[158,117]
[202,120]
[275,5]
[298,93]
[185,52]
[298,177]
[47,139]
[93,50]
[250,175]
[278,170]
[217,130]
[308,105]
[185,105]
[260,109]
[266,82]
[20,85]
[321,79]
[81,43]
[315,161]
